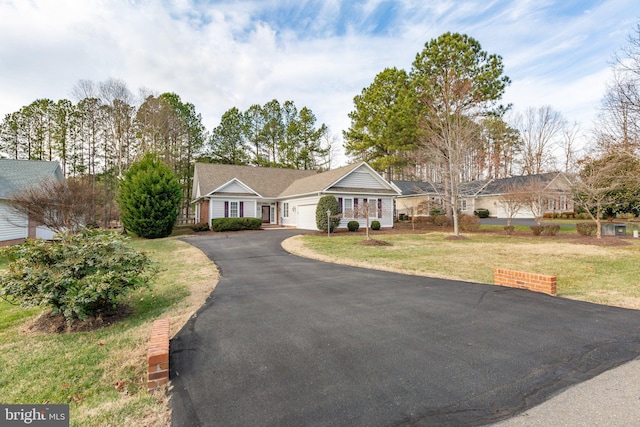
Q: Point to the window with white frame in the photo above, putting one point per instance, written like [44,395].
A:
[563,203]
[462,204]
[285,210]
[372,207]
[552,204]
[347,207]
[233,210]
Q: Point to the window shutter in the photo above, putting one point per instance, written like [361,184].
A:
[241,209]
[379,208]
[355,203]
[226,209]
[339,204]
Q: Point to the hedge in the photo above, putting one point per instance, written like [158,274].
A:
[235,224]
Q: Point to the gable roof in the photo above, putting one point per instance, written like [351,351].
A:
[478,188]
[279,183]
[18,174]
[319,182]
[268,182]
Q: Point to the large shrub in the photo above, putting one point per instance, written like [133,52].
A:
[327,203]
[149,198]
[235,224]
[80,276]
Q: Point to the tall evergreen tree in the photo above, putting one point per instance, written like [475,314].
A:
[149,198]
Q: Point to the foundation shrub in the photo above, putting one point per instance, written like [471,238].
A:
[201,226]
[375,225]
[235,224]
[353,225]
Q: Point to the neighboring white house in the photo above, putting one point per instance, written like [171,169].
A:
[418,197]
[289,197]
[16,175]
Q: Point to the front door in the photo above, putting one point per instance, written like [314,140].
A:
[266,214]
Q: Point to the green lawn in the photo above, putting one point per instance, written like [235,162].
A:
[601,274]
[102,374]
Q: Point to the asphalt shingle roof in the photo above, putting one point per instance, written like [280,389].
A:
[18,174]
[475,188]
[268,182]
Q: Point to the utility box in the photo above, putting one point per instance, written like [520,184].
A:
[610,229]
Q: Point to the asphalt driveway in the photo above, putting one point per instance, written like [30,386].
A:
[287,341]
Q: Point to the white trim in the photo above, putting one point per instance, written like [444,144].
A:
[249,189]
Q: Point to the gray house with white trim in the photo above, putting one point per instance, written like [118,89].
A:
[289,197]
[16,175]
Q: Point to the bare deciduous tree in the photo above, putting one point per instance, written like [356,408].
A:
[513,200]
[539,129]
[607,181]
[58,205]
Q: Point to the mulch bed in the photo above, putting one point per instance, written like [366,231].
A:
[49,323]
[373,242]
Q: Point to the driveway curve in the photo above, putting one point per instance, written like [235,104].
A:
[288,341]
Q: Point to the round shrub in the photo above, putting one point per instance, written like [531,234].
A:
[586,228]
[327,203]
[375,225]
[436,211]
[551,230]
[441,220]
[537,229]
[481,213]
[353,225]
[469,222]
[201,226]
[509,229]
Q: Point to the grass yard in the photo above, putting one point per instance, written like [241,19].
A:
[102,374]
[600,274]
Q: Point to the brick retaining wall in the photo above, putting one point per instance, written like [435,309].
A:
[530,281]
[158,355]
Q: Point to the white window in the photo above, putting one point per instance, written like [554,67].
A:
[347,208]
[462,204]
[372,207]
[285,210]
[233,210]
[563,203]
[552,204]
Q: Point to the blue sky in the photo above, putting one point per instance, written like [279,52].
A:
[320,54]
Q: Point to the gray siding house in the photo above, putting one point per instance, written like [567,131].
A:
[289,197]
[16,175]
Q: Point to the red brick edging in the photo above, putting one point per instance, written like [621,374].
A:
[158,356]
[530,281]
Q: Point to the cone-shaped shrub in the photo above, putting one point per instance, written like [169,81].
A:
[149,198]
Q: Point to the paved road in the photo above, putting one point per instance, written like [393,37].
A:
[287,341]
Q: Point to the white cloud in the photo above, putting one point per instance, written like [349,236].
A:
[222,54]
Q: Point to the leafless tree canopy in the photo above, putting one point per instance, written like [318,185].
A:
[58,205]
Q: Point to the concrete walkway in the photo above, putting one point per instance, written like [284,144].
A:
[612,399]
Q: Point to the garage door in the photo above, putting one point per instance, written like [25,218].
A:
[307,217]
